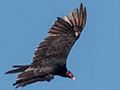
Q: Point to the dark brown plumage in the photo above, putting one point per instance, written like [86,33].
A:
[51,54]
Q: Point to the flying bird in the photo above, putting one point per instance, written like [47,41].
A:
[51,54]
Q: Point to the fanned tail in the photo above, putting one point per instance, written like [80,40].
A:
[27,80]
[20,68]
[29,75]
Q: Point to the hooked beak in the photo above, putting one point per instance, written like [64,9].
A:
[73,78]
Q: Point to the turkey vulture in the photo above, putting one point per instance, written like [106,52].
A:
[51,54]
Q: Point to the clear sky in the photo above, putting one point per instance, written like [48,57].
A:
[94,59]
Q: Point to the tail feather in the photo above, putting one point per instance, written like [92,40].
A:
[23,79]
[20,68]
[24,82]
[29,76]
[26,74]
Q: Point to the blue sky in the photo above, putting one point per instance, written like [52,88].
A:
[94,59]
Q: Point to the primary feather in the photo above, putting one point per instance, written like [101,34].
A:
[51,54]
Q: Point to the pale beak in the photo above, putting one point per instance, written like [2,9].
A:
[73,78]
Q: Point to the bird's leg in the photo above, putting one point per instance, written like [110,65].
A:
[49,76]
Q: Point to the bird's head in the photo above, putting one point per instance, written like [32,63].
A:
[70,75]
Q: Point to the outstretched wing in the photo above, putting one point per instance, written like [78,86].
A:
[51,54]
[62,36]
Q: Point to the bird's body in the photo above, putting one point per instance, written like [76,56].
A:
[51,54]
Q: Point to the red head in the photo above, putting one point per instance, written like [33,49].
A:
[70,75]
